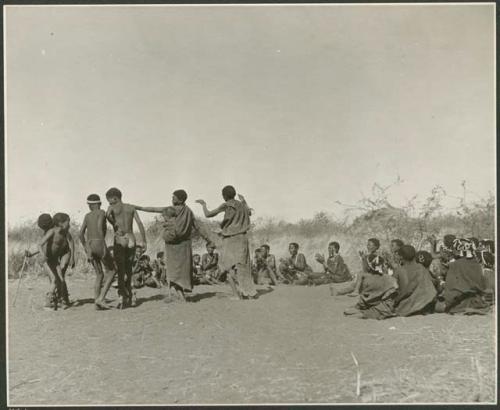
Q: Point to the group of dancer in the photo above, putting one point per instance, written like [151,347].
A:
[57,246]
[457,276]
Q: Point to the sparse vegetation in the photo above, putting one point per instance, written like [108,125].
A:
[372,216]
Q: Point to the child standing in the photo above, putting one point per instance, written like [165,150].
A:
[58,251]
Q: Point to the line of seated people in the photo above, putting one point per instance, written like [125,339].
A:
[459,277]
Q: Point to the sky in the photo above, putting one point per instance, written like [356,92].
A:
[296,106]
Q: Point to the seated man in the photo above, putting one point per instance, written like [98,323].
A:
[294,269]
[210,263]
[377,291]
[352,288]
[336,271]
[416,292]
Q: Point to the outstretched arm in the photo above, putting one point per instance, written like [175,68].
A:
[154,209]
[207,212]
[141,229]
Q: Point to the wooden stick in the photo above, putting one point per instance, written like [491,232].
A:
[20,274]
[358,375]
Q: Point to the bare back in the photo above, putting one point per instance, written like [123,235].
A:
[96,224]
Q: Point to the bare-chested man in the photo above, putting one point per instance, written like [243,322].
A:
[122,216]
[58,251]
[94,225]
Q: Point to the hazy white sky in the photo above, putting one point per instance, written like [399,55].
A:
[297,107]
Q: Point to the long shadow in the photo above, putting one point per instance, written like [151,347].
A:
[200,296]
[159,296]
[262,292]
[81,302]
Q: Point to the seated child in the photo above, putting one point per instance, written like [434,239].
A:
[168,232]
[210,263]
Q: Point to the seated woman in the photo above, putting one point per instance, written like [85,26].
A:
[416,292]
[295,269]
[377,291]
[352,288]
[335,269]
[465,286]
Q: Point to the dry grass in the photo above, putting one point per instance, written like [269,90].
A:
[292,345]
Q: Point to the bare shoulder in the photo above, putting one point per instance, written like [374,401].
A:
[129,208]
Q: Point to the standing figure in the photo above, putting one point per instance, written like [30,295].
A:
[177,230]
[235,253]
[122,216]
[58,251]
[92,237]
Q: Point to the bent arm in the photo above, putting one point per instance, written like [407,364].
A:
[216,211]
[43,242]
[141,227]
[300,263]
[82,233]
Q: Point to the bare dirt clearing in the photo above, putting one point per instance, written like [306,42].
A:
[291,345]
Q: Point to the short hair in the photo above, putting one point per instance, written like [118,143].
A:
[93,199]
[160,254]
[294,244]
[211,245]
[196,255]
[474,241]
[257,250]
[181,195]
[45,222]
[266,246]
[60,217]
[424,258]
[336,245]
[114,193]
[228,192]
[448,241]
[375,241]
[398,242]
[407,252]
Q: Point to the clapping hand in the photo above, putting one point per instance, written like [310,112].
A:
[320,258]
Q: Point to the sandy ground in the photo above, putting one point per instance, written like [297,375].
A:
[291,345]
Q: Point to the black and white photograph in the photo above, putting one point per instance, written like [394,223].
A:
[250,204]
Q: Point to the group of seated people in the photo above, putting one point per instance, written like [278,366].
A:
[294,269]
[459,277]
